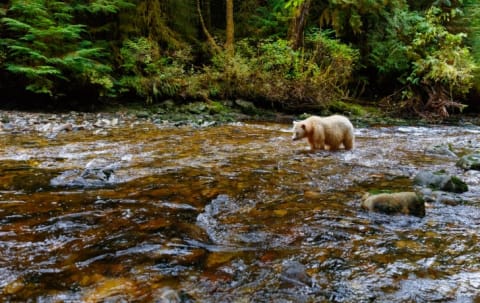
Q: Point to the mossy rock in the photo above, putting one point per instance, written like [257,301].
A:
[470,161]
[143,114]
[408,203]
[247,107]
[352,109]
[216,107]
[168,104]
[4,119]
[195,108]
[445,150]
[455,185]
[440,181]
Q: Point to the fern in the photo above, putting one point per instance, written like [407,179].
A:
[16,25]
[108,6]
[48,49]
[43,70]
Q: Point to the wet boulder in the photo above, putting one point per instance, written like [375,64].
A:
[470,161]
[143,114]
[294,273]
[440,181]
[86,178]
[91,176]
[246,107]
[211,220]
[408,203]
[438,196]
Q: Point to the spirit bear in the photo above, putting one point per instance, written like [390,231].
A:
[323,132]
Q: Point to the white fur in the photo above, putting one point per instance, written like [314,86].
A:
[325,132]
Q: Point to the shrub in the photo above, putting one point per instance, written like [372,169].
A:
[433,64]
[148,73]
[272,72]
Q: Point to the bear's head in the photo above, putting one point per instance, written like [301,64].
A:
[299,130]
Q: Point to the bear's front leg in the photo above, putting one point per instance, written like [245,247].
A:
[312,144]
[319,144]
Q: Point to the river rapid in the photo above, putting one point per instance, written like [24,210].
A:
[113,208]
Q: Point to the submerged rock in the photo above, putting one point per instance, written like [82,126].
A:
[211,219]
[294,273]
[86,178]
[408,203]
[113,290]
[437,196]
[440,181]
[470,161]
[91,176]
[167,295]
[441,150]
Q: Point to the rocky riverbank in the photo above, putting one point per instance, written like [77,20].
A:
[196,114]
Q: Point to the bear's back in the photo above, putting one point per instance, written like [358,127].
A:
[336,120]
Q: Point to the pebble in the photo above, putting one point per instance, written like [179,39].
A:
[53,124]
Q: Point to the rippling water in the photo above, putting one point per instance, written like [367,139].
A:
[230,213]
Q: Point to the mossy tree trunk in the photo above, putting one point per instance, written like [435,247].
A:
[230,32]
[211,42]
[297,27]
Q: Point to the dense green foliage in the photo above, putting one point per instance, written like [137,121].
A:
[419,56]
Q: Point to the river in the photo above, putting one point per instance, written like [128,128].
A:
[126,210]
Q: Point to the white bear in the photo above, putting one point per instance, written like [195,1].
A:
[323,132]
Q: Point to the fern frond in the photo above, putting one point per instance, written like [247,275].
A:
[19,50]
[32,72]
[16,25]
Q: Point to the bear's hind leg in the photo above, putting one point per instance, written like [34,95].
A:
[348,143]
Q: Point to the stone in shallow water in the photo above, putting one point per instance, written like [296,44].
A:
[113,290]
[295,273]
[440,181]
[91,176]
[408,203]
[441,150]
[470,161]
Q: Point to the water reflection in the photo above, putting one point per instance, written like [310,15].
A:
[230,213]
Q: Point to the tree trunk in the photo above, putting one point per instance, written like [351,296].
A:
[296,31]
[229,28]
[215,48]
[207,14]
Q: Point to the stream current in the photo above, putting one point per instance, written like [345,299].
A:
[141,212]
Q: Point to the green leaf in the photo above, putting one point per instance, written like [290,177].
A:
[19,50]
[16,25]
[35,71]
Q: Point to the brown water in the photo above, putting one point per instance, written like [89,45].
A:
[230,213]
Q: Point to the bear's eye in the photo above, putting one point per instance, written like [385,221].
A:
[304,126]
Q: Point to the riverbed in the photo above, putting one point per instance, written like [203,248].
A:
[115,208]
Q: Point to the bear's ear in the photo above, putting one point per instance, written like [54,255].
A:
[295,122]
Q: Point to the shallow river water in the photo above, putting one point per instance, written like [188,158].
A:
[143,212]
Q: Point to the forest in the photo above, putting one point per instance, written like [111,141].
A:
[418,58]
